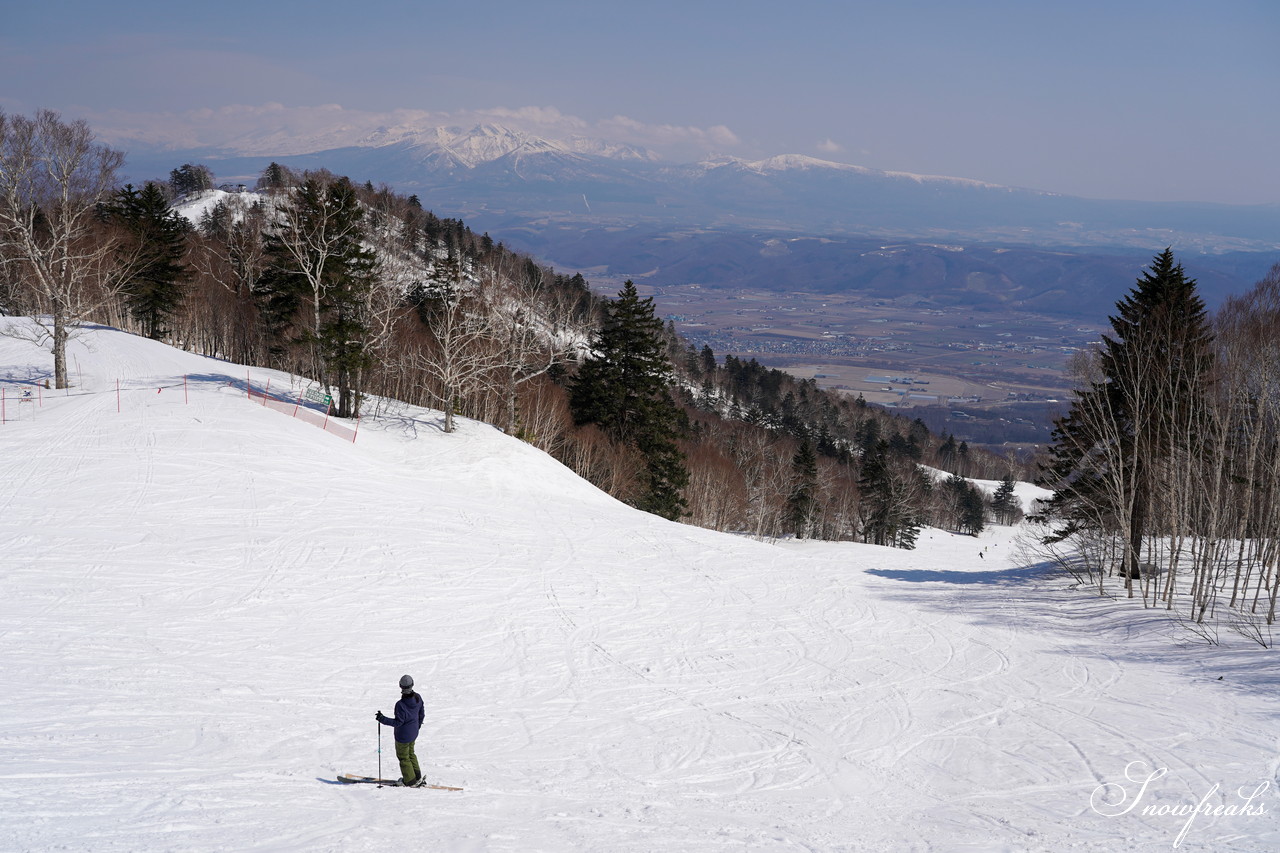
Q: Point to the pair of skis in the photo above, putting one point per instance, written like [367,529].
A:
[352,779]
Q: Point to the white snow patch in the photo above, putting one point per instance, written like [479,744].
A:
[194,206]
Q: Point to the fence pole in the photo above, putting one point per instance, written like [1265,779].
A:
[248,388]
[298,403]
[117,396]
[185,399]
[40,394]
[357,432]
[267,392]
[325,426]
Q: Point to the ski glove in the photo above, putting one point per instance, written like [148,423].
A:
[378,716]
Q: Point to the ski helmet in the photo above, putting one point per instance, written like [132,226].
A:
[406,684]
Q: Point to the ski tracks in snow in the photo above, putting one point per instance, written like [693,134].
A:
[727,701]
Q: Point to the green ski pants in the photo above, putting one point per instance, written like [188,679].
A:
[409,770]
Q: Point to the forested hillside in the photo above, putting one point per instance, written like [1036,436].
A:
[379,300]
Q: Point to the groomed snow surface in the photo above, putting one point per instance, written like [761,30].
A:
[203,603]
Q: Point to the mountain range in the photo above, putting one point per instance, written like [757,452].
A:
[567,199]
[502,174]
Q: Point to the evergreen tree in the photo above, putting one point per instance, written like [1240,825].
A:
[276,177]
[707,395]
[188,178]
[947,452]
[691,366]
[966,506]
[317,281]
[887,510]
[899,446]
[869,437]
[1148,402]
[622,388]
[708,358]
[1003,504]
[973,510]
[153,255]
[802,503]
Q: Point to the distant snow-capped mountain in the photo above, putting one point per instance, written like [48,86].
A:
[484,143]
[449,148]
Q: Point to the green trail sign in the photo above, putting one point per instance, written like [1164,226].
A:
[315,395]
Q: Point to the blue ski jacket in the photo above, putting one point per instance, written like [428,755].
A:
[410,712]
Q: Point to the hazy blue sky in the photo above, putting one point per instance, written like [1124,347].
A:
[1168,100]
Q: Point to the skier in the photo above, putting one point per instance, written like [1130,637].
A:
[410,713]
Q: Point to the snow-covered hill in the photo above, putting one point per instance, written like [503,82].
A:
[196,206]
[204,601]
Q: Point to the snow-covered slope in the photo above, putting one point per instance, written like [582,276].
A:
[1027,494]
[203,602]
[193,207]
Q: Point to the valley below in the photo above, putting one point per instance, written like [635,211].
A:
[995,378]
[974,340]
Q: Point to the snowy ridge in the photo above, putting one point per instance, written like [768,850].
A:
[609,150]
[468,148]
[800,162]
[485,143]
[204,602]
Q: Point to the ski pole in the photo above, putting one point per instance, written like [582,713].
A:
[379,753]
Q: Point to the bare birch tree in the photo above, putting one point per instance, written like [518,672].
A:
[463,352]
[53,176]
